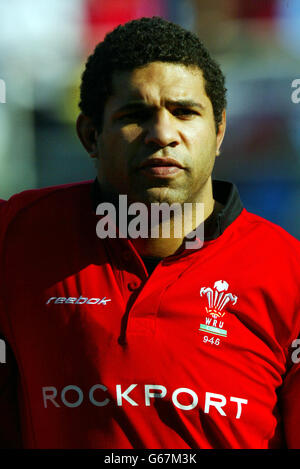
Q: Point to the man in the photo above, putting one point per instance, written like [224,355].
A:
[147,342]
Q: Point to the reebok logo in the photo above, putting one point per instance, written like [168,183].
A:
[78,301]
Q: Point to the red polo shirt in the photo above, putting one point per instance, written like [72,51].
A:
[102,355]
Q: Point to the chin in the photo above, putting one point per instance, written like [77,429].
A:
[163,195]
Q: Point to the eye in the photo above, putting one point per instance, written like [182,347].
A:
[184,112]
[139,115]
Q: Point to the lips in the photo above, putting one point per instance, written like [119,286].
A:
[157,162]
[161,167]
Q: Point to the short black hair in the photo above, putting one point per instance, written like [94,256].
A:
[140,42]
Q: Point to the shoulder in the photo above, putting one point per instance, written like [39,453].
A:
[268,232]
[269,259]
[39,198]
[268,242]
[40,204]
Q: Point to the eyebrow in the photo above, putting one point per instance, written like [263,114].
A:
[141,104]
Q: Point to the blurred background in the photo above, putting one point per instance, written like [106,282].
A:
[43,48]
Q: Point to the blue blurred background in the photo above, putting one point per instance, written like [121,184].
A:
[43,48]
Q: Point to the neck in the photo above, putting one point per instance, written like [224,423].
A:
[165,234]
[172,232]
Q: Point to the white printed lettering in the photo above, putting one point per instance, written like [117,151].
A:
[93,400]
[49,397]
[149,394]
[217,404]
[239,402]
[181,406]
[71,387]
[124,394]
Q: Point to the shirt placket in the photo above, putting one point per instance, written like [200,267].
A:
[142,294]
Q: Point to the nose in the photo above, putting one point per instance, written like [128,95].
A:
[162,130]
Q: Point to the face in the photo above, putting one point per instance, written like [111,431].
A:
[158,141]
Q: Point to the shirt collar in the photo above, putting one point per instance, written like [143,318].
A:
[227,194]
[223,191]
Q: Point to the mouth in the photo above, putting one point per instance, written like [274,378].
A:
[161,167]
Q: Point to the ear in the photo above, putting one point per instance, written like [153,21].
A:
[221,132]
[87,134]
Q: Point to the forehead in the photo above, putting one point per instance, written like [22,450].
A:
[158,81]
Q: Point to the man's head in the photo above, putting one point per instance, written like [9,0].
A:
[151,91]
[138,43]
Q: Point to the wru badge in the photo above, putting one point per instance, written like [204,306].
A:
[217,300]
